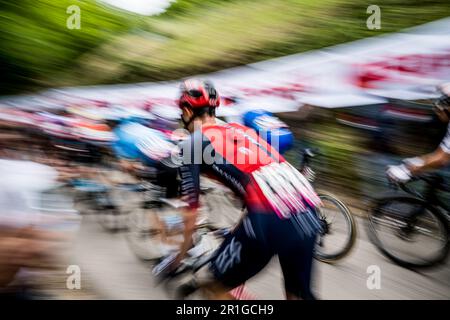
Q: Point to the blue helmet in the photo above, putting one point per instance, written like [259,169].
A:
[270,128]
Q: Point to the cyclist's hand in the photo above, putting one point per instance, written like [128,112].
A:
[399,173]
[414,164]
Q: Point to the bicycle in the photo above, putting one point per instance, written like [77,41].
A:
[103,201]
[339,231]
[409,216]
[199,256]
[156,229]
[191,265]
[112,196]
[338,234]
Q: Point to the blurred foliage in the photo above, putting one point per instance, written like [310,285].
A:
[185,7]
[36,43]
[336,164]
[195,36]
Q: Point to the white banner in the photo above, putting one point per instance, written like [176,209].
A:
[406,65]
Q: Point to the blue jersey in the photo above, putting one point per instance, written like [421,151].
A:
[138,142]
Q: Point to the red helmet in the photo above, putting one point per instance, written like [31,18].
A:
[198,94]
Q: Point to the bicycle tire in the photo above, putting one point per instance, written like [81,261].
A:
[345,211]
[143,239]
[112,215]
[373,235]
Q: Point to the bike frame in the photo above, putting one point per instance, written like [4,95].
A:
[434,183]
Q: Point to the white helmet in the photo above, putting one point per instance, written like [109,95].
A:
[166,117]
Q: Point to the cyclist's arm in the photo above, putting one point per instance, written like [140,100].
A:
[434,160]
[128,156]
[437,159]
[190,189]
[189,219]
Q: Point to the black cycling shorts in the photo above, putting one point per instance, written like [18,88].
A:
[250,247]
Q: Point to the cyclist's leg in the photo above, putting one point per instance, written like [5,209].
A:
[297,267]
[296,259]
[242,255]
[166,177]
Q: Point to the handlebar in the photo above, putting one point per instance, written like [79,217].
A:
[193,264]
[307,154]
[434,179]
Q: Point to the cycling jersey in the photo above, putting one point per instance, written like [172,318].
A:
[445,144]
[151,147]
[239,158]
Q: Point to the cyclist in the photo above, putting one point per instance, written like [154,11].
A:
[143,151]
[438,158]
[280,203]
[27,240]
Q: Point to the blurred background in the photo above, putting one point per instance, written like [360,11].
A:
[65,92]
[114,45]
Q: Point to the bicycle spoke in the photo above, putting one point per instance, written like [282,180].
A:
[336,239]
[409,232]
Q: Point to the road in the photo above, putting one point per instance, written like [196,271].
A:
[114,272]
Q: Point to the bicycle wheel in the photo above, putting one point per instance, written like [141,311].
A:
[145,233]
[408,231]
[339,230]
[108,213]
[114,206]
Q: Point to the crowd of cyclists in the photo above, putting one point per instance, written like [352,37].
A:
[172,146]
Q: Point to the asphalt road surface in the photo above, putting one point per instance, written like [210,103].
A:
[114,272]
